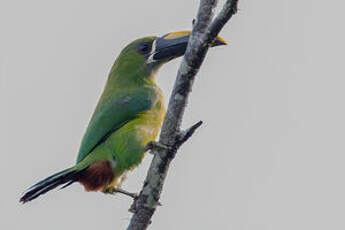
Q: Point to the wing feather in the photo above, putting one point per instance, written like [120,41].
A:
[112,113]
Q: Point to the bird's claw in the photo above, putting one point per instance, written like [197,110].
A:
[154,145]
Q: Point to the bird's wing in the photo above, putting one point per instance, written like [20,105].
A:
[111,114]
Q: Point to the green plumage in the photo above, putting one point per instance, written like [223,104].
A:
[128,116]
[129,95]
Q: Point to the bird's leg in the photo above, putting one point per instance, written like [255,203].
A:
[114,190]
[130,194]
[154,145]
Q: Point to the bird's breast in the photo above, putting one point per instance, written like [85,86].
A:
[149,123]
[127,144]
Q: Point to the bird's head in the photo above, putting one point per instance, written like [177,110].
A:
[144,56]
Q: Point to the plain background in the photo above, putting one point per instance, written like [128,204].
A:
[269,156]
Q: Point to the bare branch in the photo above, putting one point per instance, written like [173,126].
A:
[204,33]
[185,135]
[229,9]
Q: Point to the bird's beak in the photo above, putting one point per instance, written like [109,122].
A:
[173,45]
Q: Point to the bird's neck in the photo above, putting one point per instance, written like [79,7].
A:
[134,77]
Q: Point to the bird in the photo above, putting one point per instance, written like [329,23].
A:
[128,117]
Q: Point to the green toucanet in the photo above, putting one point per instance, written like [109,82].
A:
[128,116]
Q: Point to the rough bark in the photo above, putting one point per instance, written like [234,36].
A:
[204,33]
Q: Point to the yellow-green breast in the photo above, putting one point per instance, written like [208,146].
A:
[129,142]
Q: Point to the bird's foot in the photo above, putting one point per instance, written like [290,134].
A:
[113,191]
[154,145]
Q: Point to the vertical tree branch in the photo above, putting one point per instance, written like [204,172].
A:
[204,33]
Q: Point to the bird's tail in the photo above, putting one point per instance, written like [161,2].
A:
[66,177]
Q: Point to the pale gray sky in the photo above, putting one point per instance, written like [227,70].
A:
[269,156]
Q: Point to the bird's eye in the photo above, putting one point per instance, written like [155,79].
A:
[144,48]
